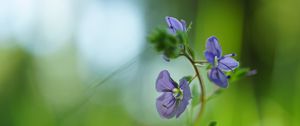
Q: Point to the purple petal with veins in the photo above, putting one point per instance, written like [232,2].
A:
[184,86]
[175,25]
[213,47]
[166,105]
[164,82]
[227,64]
[218,77]
[210,57]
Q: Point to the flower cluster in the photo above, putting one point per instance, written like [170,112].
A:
[173,42]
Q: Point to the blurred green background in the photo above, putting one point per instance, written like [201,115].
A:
[88,63]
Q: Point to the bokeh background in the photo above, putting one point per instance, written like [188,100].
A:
[88,63]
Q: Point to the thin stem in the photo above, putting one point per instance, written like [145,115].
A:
[201,61]
[202,88]
[193,78]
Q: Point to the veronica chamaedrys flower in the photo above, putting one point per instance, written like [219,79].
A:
[175,25]
[213,55]
[174,98]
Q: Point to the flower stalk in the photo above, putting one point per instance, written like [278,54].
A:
[202,89]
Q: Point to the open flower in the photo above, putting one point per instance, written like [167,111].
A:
[175,25]
[174,98]
[213,55]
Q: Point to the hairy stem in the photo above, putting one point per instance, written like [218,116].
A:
[202,88]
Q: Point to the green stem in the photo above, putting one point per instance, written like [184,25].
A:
[202,88]
[193,78]
[201,61]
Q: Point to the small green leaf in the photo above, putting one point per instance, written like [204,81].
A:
[189,27]
[188,78]
[240,73]
[213,123]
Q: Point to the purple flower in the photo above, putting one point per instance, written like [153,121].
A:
[174,98]
[213,54]
[175,25]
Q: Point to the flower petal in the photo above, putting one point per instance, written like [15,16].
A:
[227,63]
[210,57]
[174,24]
[213,46]
[166,105]
[184,86]
[183,24]
[218,77]
[164,82]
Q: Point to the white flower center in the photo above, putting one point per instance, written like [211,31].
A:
[177,93]
[216,61]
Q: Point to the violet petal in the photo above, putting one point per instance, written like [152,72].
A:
[184,86]
[227,64]
[213,46]
[174,24]
[218,77]
[166,105]
[164,82]
[210,57]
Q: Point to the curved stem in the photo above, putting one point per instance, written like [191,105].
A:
[202,88]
